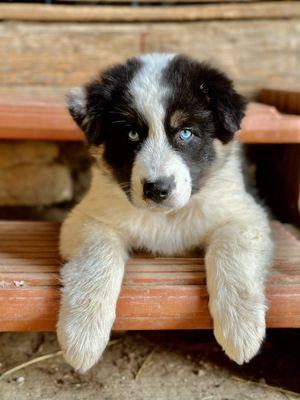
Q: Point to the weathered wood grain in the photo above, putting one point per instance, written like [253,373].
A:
[157,293]
[254,53]
[222,11]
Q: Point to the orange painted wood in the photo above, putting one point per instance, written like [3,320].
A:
[47,119]
[36,119]
[157,293]
[264,124]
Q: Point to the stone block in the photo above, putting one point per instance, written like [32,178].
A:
[13,153]
[35,185]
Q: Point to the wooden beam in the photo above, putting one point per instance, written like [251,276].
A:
[36,120]
[157,293]
[223,11]
[33,119]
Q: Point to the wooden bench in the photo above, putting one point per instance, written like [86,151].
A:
[157,293]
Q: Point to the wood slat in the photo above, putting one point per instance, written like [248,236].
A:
[264,124]
[222,11]
[39,120]
[284,99]
[157,293]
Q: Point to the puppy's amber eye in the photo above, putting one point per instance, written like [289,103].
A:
[133,136]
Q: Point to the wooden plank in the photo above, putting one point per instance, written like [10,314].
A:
[40,120]
[266,125]
[203,12]
[284,99]
[36,119]
[157,293]
[43,56]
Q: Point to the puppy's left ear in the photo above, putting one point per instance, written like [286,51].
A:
[228,106]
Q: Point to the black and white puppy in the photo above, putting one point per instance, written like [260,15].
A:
[166,178]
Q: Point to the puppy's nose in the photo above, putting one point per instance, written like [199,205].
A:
[159,190]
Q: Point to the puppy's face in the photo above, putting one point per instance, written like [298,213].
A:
[156,120]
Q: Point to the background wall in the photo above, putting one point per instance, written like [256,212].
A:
[257,43]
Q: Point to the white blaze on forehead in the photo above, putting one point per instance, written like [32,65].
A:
[148,90]
[156,158]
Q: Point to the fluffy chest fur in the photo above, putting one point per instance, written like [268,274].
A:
[169,232]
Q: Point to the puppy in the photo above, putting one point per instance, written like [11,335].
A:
[166,178]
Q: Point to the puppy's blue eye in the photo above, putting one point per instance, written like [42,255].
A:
[133,136]
[185,135]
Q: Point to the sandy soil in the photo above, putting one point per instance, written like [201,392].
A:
[156,366]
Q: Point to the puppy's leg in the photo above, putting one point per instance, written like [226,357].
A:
[91,284]
[237,260]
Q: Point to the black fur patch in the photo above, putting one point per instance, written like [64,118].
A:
[197,87]
[108,101]
[210,106]
[111,115]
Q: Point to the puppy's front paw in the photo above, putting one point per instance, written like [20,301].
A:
[82,341]
[241,330]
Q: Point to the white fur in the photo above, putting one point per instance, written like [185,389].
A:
[156,159]
[147,88]
[105,226]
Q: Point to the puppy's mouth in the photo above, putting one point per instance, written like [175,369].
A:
[173,202]
[154,207]
[164,206]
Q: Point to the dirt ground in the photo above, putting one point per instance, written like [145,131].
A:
[156,366]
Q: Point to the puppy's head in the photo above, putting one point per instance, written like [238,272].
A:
[155,121]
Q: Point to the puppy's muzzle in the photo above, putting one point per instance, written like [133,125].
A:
[159,190]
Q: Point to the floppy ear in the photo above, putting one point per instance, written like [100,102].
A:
[84,114]
[228,106]
[230,111]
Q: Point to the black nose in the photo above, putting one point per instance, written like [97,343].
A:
[159,190]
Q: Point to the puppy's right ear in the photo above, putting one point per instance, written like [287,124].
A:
[79,108]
